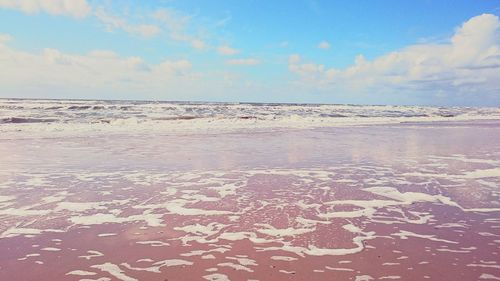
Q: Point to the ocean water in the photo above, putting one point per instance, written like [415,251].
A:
[390,202]
[85,116]
[120,190]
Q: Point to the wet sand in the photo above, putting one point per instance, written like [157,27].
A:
[400,202]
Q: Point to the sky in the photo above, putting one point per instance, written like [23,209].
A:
[304,51]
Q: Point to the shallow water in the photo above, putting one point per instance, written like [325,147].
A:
[404,201]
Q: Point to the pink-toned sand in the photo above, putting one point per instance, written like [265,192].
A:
[405,202]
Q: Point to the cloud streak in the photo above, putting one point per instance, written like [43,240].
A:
[177,25]
[113,22]
[244,61]
[324,45]
[72,8]
[227,51]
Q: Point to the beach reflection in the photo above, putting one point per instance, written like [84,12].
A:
[403,203]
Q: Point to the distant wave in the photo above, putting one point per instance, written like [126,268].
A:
[175,118]
[94,115]
[18,120]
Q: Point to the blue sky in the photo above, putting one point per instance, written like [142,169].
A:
[367,52]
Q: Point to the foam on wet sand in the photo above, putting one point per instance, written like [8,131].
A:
[358,214]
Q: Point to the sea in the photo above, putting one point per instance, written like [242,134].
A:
[70,117]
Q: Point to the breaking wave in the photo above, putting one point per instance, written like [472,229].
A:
[93,115]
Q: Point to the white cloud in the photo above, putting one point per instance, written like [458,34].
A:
[173,20]
[145,30]
[55,73]
[227,51]
[80,9]
[324,45]
[293,59]
[177,24]
[198,44]
[245,61]
[73,8]
[223,22]
[4,38]
[468,63]
[114,22]
[305,70]
[104,74]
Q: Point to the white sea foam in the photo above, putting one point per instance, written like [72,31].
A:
[283,258]
[391,205]
[216,277]
[150,219]
[290,231]
[106,234]
[156,266]
[363,278]
[484,265]
[489,276]
[81,273]
[48,117]
[403,234]
[235,266]
[92,254]
[114,270]
[28,232]
[243,260]
[153,243]
[339,268]
[28,256]
[50,249]
[4,198]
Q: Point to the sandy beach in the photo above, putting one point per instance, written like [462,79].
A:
[416,201]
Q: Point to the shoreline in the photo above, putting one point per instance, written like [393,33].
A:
[209,127]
